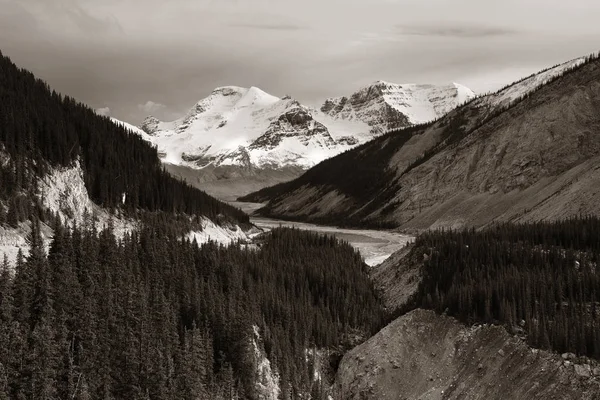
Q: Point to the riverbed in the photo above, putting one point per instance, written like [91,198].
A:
[374,245]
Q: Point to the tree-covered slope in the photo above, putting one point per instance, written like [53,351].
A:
[356,178]
[152,316]
[516,316]
[540,280]
[41,129]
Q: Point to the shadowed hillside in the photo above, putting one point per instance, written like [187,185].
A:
[490,160]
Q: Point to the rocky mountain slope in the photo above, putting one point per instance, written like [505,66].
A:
[422,355]
[385,106]
[521,154]
[251,128]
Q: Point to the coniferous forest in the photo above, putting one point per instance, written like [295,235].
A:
[152,316]
[538,279]
[42,129]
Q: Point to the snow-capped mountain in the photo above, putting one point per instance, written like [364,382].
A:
[385,106]
[243,127]
[246,127]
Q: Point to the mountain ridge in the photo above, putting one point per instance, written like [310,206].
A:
[258,130]
[403,104]
[59,160]
[415,190]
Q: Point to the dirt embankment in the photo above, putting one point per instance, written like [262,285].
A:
[397,278]
[422,355]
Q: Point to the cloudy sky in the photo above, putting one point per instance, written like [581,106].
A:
[136,57]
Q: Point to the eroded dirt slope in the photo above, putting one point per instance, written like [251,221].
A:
[422,355]
[397,278]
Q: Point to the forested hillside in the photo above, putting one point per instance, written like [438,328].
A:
[540,279]
[41,129]
[155,317]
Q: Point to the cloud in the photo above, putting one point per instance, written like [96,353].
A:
[151,107]
[91,24]
[64,17]
[105,111]
[13,17]
[175,53]
[456,31]
[270,27]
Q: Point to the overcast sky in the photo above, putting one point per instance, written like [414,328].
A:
[137,57]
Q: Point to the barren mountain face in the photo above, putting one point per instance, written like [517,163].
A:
[477,165]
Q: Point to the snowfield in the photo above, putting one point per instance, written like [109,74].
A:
[221,128]
[517,90]
[248,127]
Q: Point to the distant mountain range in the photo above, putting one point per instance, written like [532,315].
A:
[531,151]
[248,128]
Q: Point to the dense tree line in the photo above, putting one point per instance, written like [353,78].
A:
[152,316]
[42,129]
[541,277]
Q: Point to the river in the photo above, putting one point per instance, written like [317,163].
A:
[374,245]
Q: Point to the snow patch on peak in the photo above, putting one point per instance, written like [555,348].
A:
[229,90]
[381,84]
[256,97]
[464,94]
[514,92]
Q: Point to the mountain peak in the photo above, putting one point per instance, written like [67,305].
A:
[229,90]
[256,97]
[385,105]
[149,125]
[381,82]
[280,132]
[464,93]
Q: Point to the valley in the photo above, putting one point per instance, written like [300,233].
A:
[375,246]
[239,140]
[397,241]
